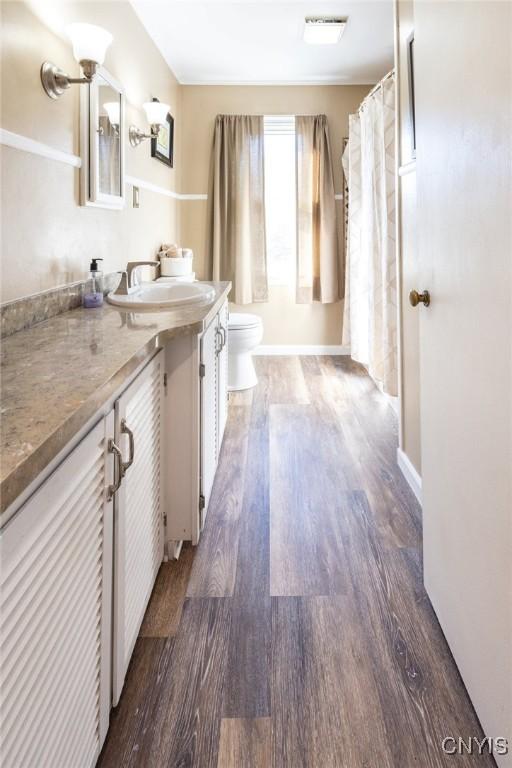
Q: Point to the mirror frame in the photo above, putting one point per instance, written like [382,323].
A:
[89,171]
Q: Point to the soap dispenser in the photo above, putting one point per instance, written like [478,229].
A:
[94,295]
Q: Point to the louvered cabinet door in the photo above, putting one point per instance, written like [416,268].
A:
[55,615]
[222,376]
[138,521]
[209,345]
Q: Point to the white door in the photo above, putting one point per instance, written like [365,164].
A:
[222,374]
[138,522]
[463,68]
[55,607]
[209,426]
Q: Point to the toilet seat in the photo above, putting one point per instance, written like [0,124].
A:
[242,320]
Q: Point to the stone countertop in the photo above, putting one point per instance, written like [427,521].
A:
[57,374]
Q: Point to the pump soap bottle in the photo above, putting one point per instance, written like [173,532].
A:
[94,296]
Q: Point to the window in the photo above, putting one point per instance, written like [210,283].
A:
[280,207]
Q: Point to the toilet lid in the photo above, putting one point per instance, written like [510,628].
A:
[239,320]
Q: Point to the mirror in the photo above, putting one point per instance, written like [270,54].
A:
[102,143]
[109,144]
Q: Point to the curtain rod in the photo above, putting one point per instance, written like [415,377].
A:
[376,87]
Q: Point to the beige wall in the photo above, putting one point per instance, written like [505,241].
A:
[410,367]
[285,321]
[47,238]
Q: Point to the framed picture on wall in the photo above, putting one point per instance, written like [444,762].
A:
[412,106]
[163,146]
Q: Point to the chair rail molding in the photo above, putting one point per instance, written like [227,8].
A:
[26,144]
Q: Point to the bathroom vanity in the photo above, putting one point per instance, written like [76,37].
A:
[113,423]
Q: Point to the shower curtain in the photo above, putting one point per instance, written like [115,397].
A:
[370,311]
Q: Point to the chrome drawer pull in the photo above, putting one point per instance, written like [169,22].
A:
[125,429]
[118,472]
[218,347]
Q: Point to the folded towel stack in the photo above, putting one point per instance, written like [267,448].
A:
[174,252]
[174,261]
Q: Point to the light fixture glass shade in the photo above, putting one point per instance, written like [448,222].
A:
[89,42]
[319,31]
[113,110]
[156,112]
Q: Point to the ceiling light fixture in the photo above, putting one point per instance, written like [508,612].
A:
[323,30]
[90,44]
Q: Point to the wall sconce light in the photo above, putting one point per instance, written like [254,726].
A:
[156,115]
[90,44]
[113,110]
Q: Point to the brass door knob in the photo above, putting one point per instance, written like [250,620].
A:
[419,298]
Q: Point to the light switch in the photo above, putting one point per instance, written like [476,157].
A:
[135,197]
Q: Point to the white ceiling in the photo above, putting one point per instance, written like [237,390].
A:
[243,41]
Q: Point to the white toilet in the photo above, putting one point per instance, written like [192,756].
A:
[245,332]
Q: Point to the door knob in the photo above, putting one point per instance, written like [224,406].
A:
[419,298]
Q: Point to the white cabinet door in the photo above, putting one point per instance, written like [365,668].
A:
[138,522]
[222,375]
[55,608]
[209,346]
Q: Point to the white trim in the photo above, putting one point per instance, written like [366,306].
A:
[404,170]
[90,192]
[301,349]
[23,143]
[136,182]
[410,473]
[16,141]
[329,80]
[279,125]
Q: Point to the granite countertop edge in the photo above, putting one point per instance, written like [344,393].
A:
[19,477]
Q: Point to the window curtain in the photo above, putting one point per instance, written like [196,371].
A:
[318,268]
[236,221]
[370,311]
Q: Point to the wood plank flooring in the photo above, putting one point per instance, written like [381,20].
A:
[298,633]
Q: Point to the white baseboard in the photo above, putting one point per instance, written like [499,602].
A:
[409,472]
[301,349]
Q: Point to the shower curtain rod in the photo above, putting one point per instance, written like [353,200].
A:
[376,88]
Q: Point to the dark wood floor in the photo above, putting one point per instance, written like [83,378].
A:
[298,634]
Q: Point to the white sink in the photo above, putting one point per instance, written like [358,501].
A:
[163,295]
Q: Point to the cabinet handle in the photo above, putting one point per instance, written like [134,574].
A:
[118,456]
[218,347]
[125,429]
[223,334]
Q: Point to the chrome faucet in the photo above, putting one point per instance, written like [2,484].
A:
[129,276]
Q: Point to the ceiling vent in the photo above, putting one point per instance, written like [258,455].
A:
[323,30]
